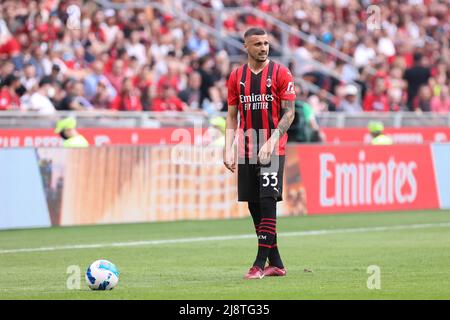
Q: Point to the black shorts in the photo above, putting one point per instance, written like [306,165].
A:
[256,181]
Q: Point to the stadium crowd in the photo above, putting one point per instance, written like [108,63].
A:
[54,58]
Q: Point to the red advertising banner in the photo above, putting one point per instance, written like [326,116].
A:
[344,179]
[100,136]
[127,136]
[399,135]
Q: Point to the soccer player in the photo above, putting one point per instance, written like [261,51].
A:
[262,92]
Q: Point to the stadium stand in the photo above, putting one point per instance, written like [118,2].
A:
[127,55]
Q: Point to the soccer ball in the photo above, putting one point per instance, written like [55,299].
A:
[102,275]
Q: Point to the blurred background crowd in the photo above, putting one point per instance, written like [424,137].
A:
[144,59]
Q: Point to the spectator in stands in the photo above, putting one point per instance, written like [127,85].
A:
[75,99]
[172,76]
[319,102]
[416,76]
[396,89]
[9,46]
[6,69]
[117,74]
[377,100]
[136,49]
[128,99]
[441,103]
[144,82]
[102,99]
[199,44]
[40,100]
[29,80]
[365,52]
[210,96]
[168,100]
[9,100]
[55,76]
[350,103]
[91,82]
[40,62]
[191,95]
[422,103]
[34,32]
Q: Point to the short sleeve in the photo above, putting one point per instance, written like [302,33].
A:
[233,98]
[286,85]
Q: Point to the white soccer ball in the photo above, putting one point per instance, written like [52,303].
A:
[102,275]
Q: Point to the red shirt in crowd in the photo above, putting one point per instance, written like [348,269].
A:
[8,101]
[165,80]
[168,104]
[10,47]
[126,103]
[376,102]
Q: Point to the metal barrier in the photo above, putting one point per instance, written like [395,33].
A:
[108,119]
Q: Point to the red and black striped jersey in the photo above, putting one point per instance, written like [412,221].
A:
[258,99]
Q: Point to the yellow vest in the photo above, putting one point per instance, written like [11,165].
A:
[219,142]
[76,142]
[382,140]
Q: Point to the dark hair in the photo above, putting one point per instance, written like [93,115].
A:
[417,57]
[9,80]
[56,67]
[45,80]
[254,32]
[21,90]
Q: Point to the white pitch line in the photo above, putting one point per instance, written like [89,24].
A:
[229,237]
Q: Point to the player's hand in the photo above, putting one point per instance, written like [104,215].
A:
[265,152]
[229,159]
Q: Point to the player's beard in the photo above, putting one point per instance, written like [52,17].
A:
[261,58]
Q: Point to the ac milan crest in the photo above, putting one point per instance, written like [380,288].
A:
[269,82]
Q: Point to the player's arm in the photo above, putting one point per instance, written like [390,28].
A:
[287,117]
[229,156]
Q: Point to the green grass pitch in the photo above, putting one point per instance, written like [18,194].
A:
[414,260]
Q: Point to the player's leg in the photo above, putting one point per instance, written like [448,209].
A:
[274,254]
[271,188]
[247,175]
[266,231]
[255,212]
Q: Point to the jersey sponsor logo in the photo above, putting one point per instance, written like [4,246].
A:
[256,101]
[256,98]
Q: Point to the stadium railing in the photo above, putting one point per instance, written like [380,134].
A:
[108,119]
